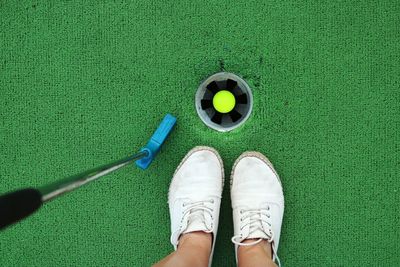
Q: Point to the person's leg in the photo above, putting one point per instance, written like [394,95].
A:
[259,255]
[258,204]
[194,200]
[194,250]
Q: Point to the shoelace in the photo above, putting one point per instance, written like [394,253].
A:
[256,218]
[195,210]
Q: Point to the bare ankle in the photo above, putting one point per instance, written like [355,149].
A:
[259,250]
[200,240]
[194,247]
[264,248]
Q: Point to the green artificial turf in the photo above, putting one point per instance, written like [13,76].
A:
[83,83]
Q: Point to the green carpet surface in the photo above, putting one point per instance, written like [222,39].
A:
[84,83]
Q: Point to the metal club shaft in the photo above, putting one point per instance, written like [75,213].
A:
[68,184]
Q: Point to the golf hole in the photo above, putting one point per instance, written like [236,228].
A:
[224,101]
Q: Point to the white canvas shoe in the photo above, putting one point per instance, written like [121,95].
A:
[195,194]
[257,202]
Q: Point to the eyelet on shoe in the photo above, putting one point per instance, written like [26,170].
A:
[212,201]
[241,211]
[268,208]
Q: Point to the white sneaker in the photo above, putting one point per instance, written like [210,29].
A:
[257,202]
[195,194]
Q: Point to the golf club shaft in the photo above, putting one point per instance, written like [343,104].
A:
[58,188]
[17,205]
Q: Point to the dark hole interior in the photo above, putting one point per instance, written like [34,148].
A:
[225,119]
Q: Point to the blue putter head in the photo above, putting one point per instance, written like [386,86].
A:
[156,141]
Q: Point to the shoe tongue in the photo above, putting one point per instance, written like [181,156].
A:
[196,223]
[256,234]
[256,230]
[195,226]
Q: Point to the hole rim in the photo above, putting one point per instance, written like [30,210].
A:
[223,76]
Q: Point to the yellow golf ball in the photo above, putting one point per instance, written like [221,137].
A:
[224,101]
